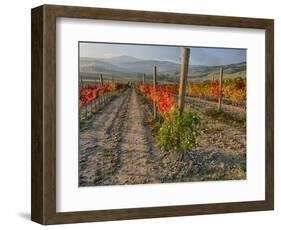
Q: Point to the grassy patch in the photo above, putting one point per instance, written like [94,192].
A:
[235,173]
[238,120]
[100,176]
[214,128]
[84,125]
[156,125]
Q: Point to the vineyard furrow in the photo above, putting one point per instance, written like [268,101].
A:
[98,155]
[136,163]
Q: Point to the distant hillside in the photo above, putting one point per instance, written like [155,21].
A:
[134,68]
[200,72]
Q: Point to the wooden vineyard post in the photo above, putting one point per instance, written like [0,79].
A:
[101,79]
[143,78]
[154,75]
[95,105]
[220,89]
[91,108]
[101,82]
[183,78]
[86,109]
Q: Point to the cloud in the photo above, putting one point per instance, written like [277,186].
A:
[108,55]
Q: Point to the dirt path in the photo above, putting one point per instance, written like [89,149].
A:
[137,163]
[116,149]
[98,144]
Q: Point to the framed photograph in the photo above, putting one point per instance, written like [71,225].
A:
[140,114]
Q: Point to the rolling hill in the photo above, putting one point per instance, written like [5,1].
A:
[133,68]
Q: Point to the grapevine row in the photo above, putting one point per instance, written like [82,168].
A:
[96,96]
[233,90]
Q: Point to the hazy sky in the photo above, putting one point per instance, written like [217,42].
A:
[198,55]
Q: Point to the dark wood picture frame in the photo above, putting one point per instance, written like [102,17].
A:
[43,189]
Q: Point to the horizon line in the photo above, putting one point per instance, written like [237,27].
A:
[164,60]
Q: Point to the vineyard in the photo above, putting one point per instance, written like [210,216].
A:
[234,91]
[139,132]
[94,96]
[123,130]
[163,95]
